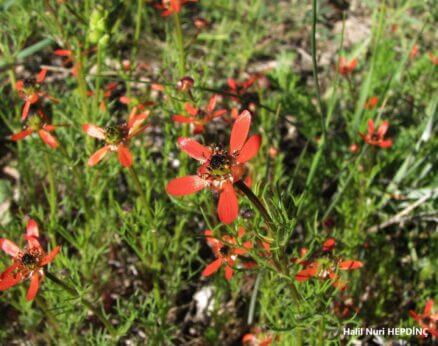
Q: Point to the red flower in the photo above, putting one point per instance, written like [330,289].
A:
[433,58]
[198,117]
[241,88]
[324,268]
[255,339]
[328,245]
[28,263]
[226,252]
[376,137]
[219,168]
[414,51]
[170,7]
[38,123]
[30,91]
[427,320]
[68,59]
[371,103]
[117,138]
[346,67]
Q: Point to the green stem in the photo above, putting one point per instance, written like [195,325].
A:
[137,31]
[315,67]
[52,190]
[70,290]
[343,188]
[261,208]
[180,44]
[256,202]
[254,298]
[149,215]
[140,191]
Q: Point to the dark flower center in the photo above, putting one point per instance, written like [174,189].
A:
[28,259]
[35,122]
[30,82]
[115,134]
[217,161]
[225,250]
[375,137]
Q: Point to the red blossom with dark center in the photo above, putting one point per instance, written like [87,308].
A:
[241,88]
[30,91]
[169,7]
[325,268]
[220,168]
[117,138]
[376,138]
[28,262]
[199,117]
[38,123]
[226,251]
[427,320]
[346,67]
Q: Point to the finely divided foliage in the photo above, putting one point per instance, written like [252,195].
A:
[308,207]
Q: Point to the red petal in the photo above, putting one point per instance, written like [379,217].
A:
[125,100]
[228,273]
[19,85]
[185,185]
[20,135]
[212,103]
[212,267]
[48,139]
[41,76]
[347,265]
[328,245]
[94,131]
[9,280]
[182,119]
[63,52]
[124,155]
[25,110]
[190,109]
[32,229]
[49,127]
[414,315]
[98,155]
[228,207]
[250,149]
[194,149]
[306,274]
[135,122]
[370,126]
[34,286]
[218,113]
[240,130]
[51,256]
[383,128]
[9,247]
[386,143]
[232,84]
[428,307]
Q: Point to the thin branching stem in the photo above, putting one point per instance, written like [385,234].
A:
[70,290]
